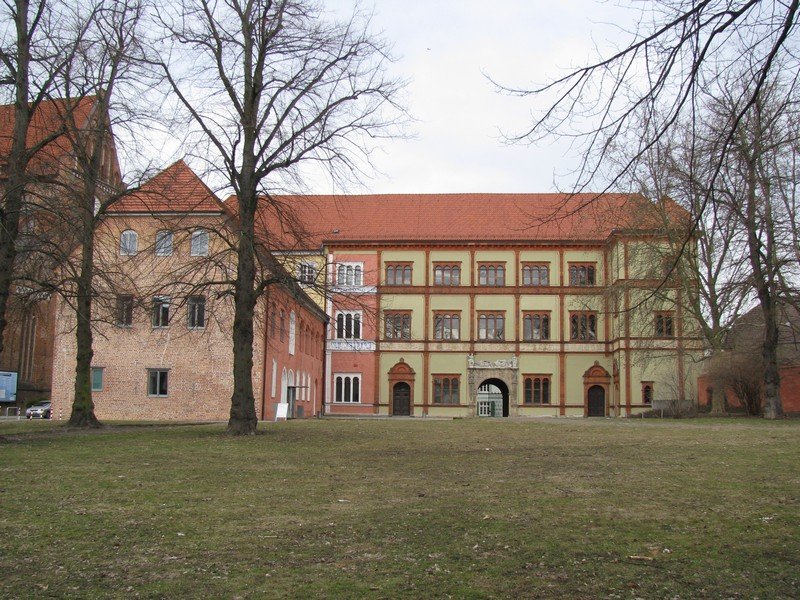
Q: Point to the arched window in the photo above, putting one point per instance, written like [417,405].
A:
[128,243]
[283,326]
[164,243]
[292,332]
[199,243]
[647,393]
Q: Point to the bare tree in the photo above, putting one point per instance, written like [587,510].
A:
[271,85]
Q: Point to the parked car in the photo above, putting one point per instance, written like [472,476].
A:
[40,410]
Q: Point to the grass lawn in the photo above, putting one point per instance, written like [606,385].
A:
[404,509]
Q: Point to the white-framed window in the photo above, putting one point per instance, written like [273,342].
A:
[349,274]
[292,332]
[196,312]
[97,379]
[274,377]
[128,243]
[347,388]
[348,325]
[161,311]
[157,382]
[164,243]
[306,273]
[199,243]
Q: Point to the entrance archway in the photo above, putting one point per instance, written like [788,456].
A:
[401,399]
[596,384]
[401,388]
[596,400]
[493,398]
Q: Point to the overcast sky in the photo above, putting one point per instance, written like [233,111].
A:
[444,47]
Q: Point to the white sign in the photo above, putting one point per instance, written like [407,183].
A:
[282,411]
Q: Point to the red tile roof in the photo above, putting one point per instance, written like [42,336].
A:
[175,189]
[308,221]
[46,121]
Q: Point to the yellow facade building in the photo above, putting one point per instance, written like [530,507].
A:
[495,304]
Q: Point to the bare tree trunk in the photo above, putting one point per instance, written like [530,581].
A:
[773,408]
[83,406]
[718,399]
[243,419]
[17,162]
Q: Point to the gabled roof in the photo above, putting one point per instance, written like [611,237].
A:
[46,121]
[175,189]
[295,222]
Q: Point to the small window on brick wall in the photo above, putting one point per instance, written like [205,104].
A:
[536,389]
[446,389]
[124,311]
[347,388]
[157,382]
[348,325]
[161,311]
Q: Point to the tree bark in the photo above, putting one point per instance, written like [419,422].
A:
[83,406]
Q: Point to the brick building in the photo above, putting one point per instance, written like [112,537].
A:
[163,347]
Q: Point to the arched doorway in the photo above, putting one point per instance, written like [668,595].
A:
[492,398]
[596,400]
[401,399]
[401,389]
[596,384]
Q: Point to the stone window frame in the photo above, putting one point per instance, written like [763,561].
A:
[440,381]
[529,396]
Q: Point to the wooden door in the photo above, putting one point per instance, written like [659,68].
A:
[401,400]
[597,401]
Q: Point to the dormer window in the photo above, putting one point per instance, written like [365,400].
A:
[128,243]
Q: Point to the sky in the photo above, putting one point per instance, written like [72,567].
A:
[446,49]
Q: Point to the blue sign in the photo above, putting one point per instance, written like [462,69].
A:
[8,386]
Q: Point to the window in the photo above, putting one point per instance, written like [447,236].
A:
[446,389]
[491,274]
[124,311]
[536,389]
[274,386]
[306,273]
[583,326]
[283,325]
[348,388]
[446,326]
[97,379]
[349,274]
[491,326]
[582,274]
[272,322]
[348,325]
[665,324]
[157,382]
[647,392]
[398,273]
[128,243]
[163,243]
[199,243]
[160,311]
[446,273]
[196,312]
[292,332]
[535,274]
[535,326]
[397,325]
